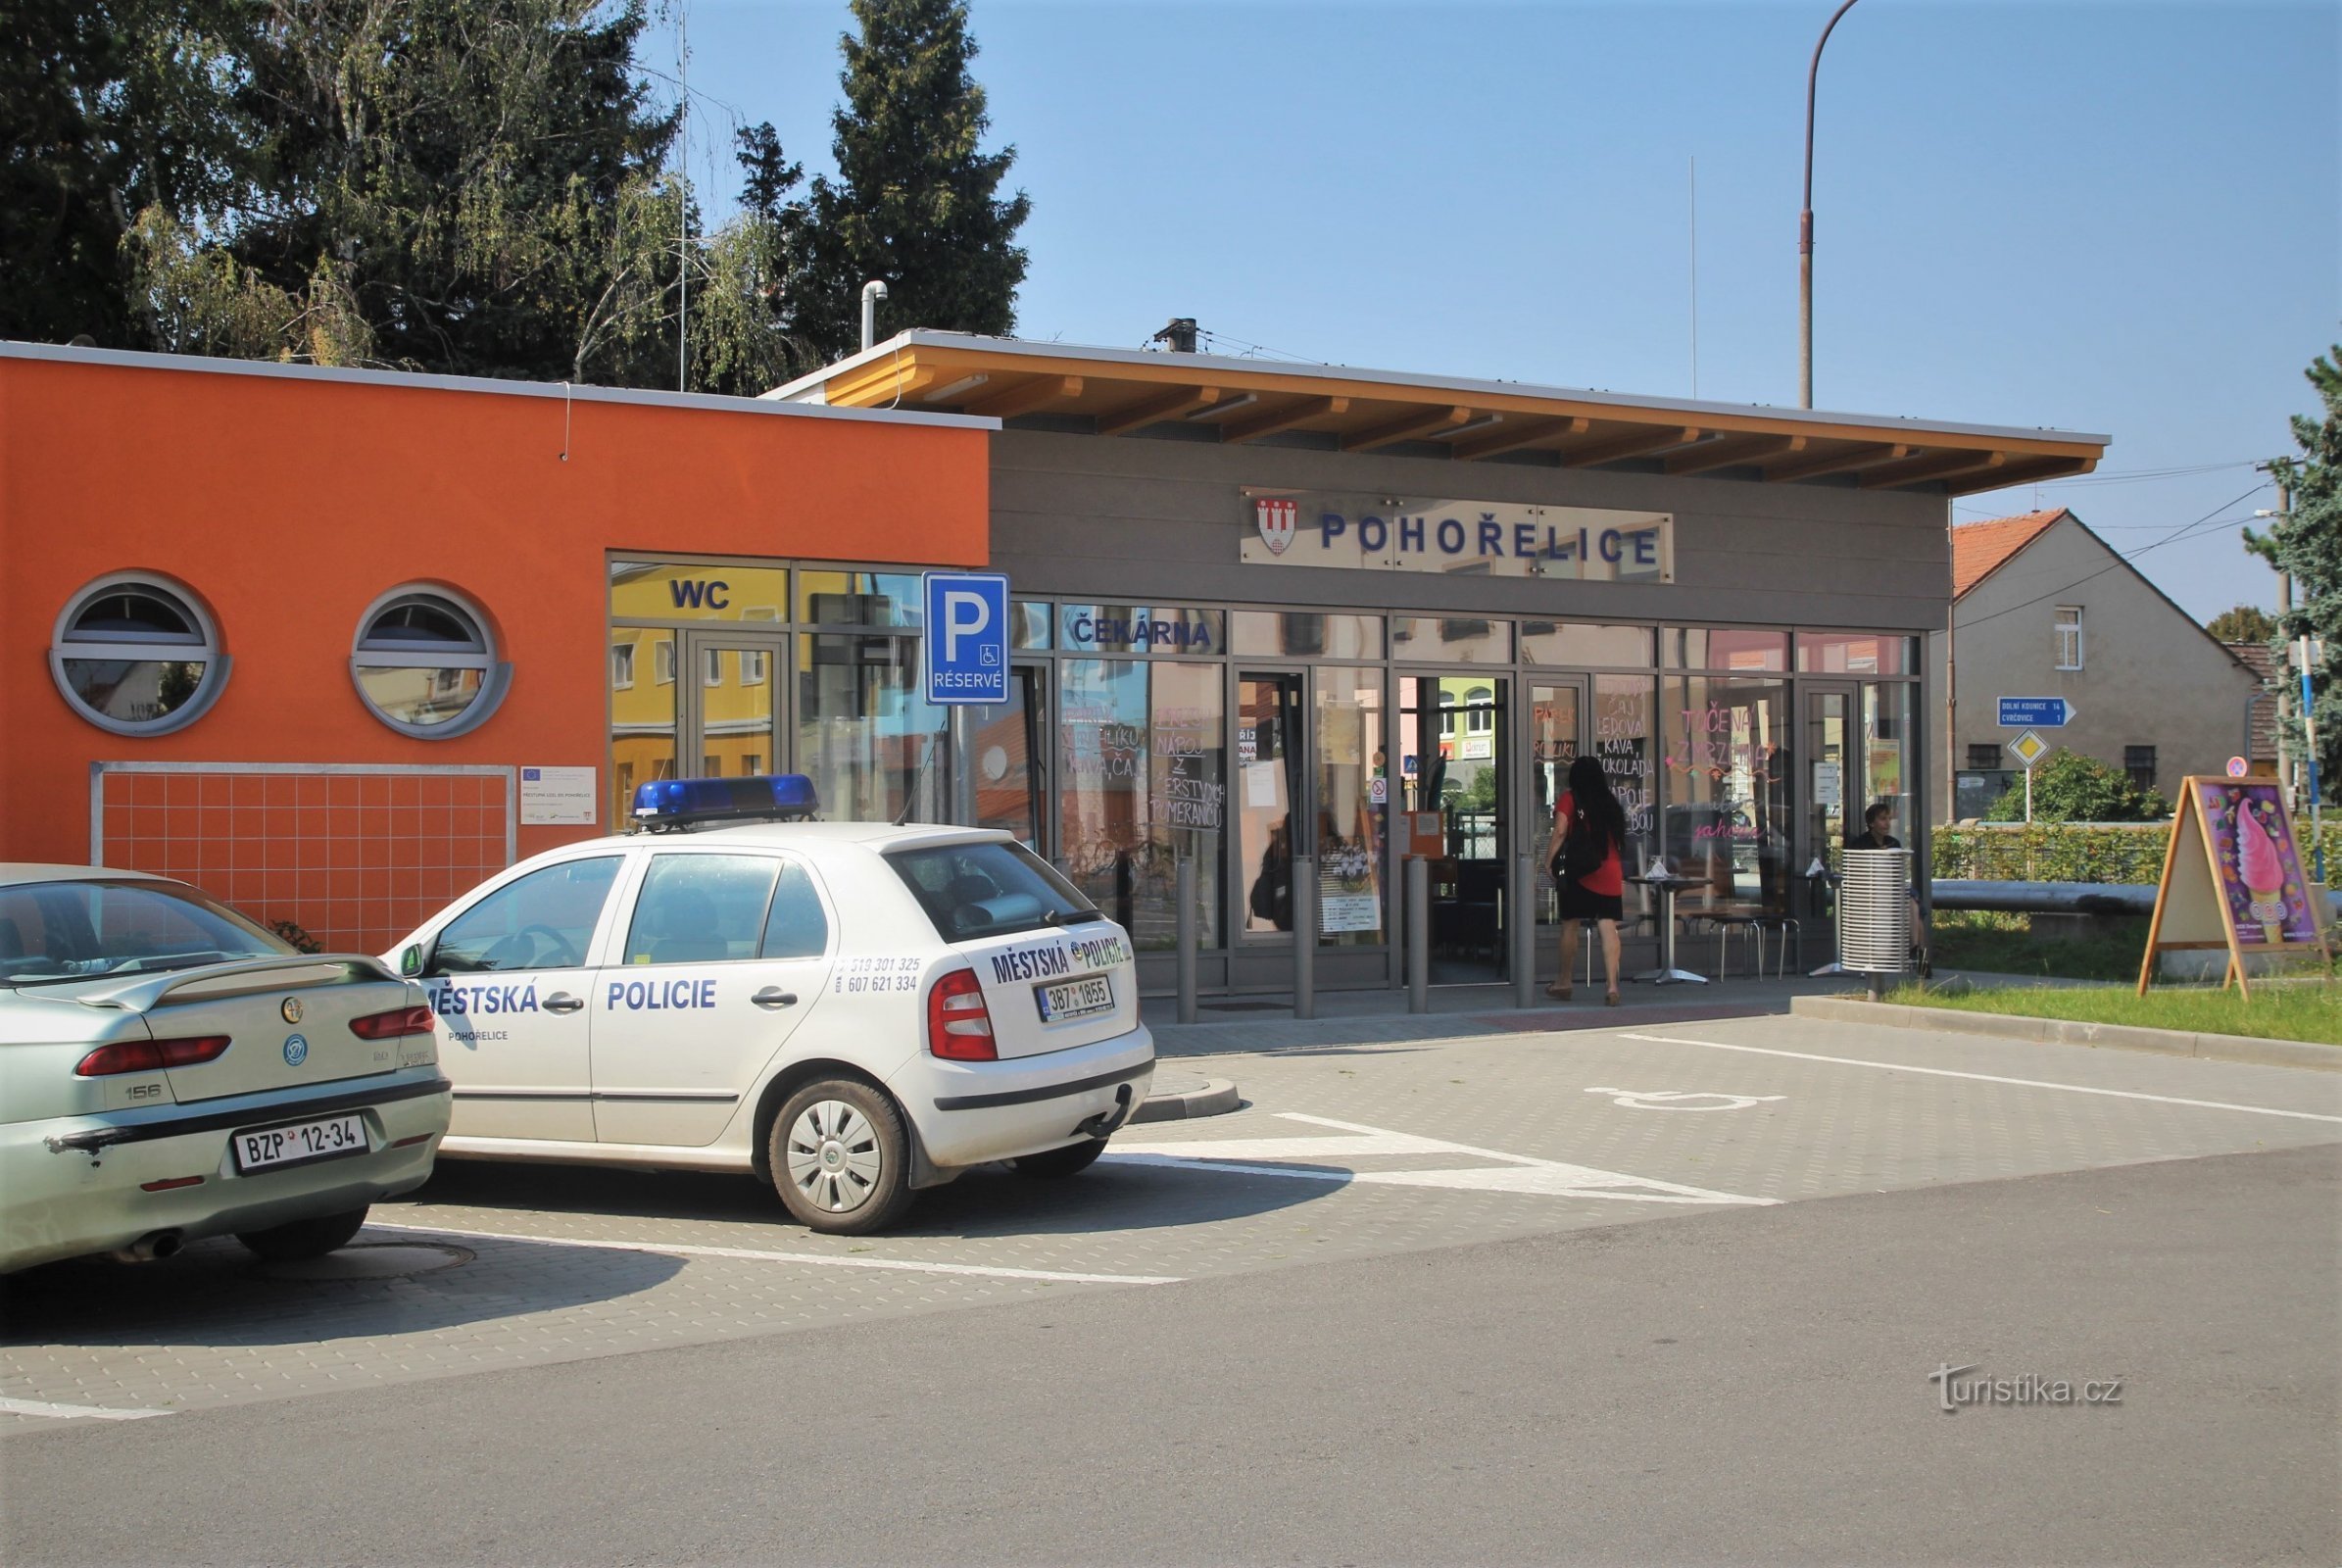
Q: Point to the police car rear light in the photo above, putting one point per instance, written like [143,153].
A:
[958,1024]
[394,1024]
[150,1056]
[669,804]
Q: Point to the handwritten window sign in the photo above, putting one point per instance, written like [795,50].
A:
[1479,538]
[2232,877]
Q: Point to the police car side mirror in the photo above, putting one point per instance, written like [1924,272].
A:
[411,961]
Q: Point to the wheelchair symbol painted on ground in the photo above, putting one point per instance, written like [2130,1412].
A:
[1682,1099]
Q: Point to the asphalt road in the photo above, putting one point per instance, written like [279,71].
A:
[1746,1386]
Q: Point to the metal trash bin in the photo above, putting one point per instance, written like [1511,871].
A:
[1874,914]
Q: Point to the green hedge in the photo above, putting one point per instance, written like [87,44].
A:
[2077,852]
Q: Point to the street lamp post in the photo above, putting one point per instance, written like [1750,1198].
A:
[1805,228]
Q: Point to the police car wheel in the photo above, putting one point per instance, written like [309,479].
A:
[839,1158]
[1054,1163]
[303,1238]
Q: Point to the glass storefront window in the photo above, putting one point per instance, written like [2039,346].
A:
[1622,739]
[1856,653]
[1268,752]
[1728,769]
[1028,624]
[642,713]
[652,590]
[1889,756]
[1352,806]
[1305,634]
[1574,646]
[1186,779]
[860,599]
[863,734]
[1727,648]
[1140,629]
[1452,640]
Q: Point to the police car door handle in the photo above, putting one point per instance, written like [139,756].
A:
[774,997]
[563,1002]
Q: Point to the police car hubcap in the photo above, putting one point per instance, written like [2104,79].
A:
[832,1155]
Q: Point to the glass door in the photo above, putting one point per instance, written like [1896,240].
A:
[1557,719]
[1834,785]
[1269,800]
[727,689]
[1010,759]
[1453,770]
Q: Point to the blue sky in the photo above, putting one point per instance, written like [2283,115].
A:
[2116,217]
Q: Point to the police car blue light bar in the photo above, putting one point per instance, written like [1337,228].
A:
[669,804]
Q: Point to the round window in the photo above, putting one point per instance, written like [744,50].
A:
[425,663]
[137,654]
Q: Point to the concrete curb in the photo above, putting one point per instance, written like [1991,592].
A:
[2066,1032]
[1184,1097]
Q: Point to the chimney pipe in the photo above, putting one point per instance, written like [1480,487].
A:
[1179,337]
[872,292]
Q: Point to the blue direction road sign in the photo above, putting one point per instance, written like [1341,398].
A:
[2036,712]
[966,651]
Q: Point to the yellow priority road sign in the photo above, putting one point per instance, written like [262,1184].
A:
[2029,748]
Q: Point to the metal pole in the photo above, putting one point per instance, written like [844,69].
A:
[1304,936]
[1184,890]
[963,771]
[1521,909]
[2310,761]
[1805,228]
[1419,939]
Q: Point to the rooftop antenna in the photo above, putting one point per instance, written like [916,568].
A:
[683,201]
[1696,276]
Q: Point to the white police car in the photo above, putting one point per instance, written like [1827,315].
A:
[850,1009]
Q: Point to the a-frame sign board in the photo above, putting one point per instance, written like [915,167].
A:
[2232,879]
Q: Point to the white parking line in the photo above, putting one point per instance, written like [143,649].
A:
[1322,1159]
[72,1413]
[1988,1078]
[682,1250]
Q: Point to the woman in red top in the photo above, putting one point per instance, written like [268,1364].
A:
[1590,829]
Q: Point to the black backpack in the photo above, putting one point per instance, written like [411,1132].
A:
[1582,849]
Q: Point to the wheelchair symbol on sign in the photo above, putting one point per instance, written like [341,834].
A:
[1682,1099]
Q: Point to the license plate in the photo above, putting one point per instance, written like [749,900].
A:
[1075,998]
[299,1144]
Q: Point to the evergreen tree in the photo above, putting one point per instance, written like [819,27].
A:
[2244,623]
[2308,543]
[915,200]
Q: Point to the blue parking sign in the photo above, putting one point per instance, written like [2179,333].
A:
[966,651]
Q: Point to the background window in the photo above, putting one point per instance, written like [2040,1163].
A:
[138,656]
[423,664]
[2068,637]
[662,662]
[1983,755]
[713,673]
[621,665]
[2139,763]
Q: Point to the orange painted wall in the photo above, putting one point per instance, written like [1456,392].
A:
[291,503]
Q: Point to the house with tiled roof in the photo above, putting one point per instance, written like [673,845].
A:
[2042,606]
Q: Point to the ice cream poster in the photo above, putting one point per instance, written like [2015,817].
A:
[2258,866]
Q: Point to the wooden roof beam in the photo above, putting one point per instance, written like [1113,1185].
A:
[1026,397]
[1815,465]
[1517,437]
[2024,471]
[1725,452]
[1271,420]
[1633,444]
[1958,462]
[1413,423]
[1180,400]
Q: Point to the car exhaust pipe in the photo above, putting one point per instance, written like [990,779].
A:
[152,1247]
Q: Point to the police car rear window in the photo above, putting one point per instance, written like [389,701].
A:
[989,889]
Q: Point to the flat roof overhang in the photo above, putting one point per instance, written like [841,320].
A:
[1119,392]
